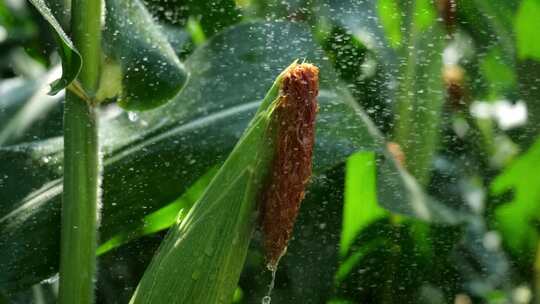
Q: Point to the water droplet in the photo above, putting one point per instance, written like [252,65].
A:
[132,116]
[267,299]
[51,280]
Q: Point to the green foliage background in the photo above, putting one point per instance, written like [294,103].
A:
[458,220]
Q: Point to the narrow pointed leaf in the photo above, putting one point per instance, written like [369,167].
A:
[419,102]
[71,59]
[360,207]
[30,114]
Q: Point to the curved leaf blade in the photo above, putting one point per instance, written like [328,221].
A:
[151,72]
[421,91]
[28,109]
[71,59]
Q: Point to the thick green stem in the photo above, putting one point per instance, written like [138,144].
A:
[81,163]
[86,32]
[79,205]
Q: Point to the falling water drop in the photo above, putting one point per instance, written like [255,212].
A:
[267,299]
[132,116]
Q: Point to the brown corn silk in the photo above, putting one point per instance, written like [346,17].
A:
[291,168]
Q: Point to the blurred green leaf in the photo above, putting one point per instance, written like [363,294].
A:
[71,59]
[353,37]
[339,301]
[349,264]
[27,106]
[480,258]
[362,20]
[497,15]
[14,92]
[424,15]
[360,207]
[399,192]
[390,17]
[194,28]
[528,79]
[386,258]
[162,218]
[525,26]
[151,74]
[500,76]
[420,97]
[518,219]
[15,22]
[213,16]
[298,10]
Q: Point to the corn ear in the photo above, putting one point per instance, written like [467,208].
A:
[202,256]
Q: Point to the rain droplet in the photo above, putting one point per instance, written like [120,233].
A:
[267,299]
[51,280]
[132,116]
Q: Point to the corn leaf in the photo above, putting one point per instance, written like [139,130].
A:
[162,218]
[29,109]
[517,219]
[527,44]
[139,52]
[360,207]
[421,92]
[71,59]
